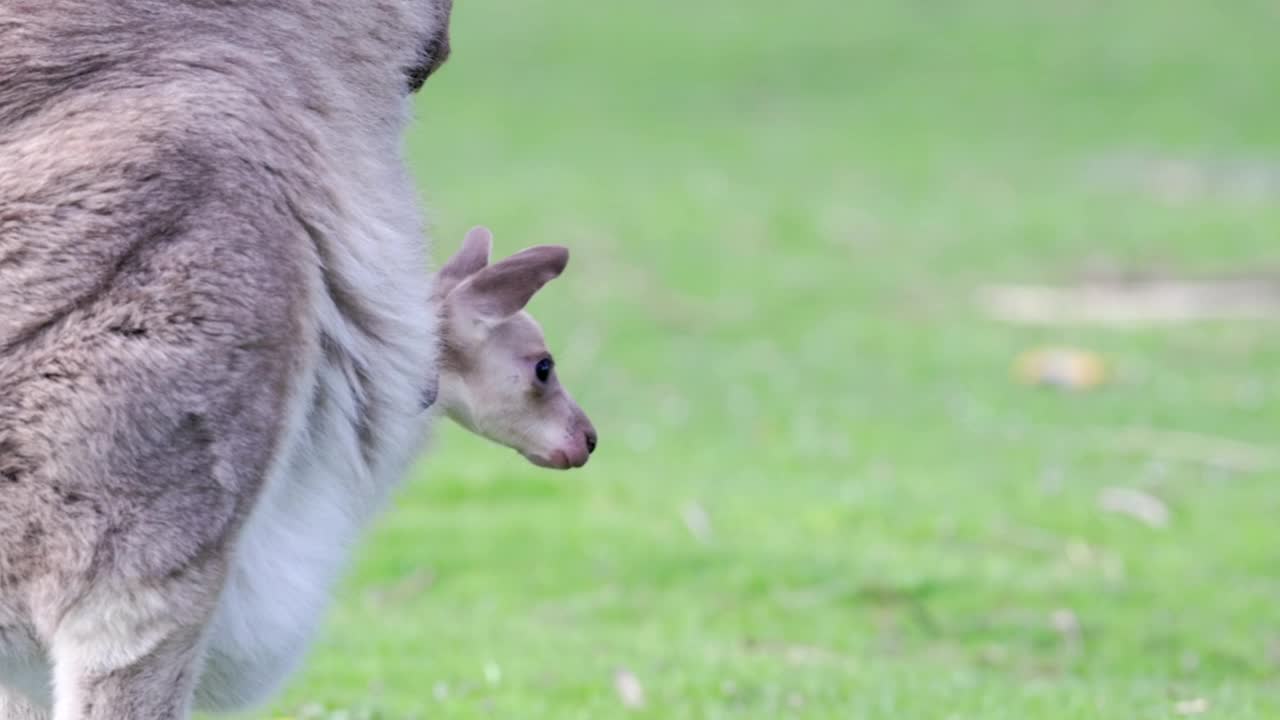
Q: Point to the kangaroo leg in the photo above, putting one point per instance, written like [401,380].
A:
[14,706]
[132,650]
[157,686]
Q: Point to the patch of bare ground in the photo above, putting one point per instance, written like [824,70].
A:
[1134,300]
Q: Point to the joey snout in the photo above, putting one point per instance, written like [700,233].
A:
[572,449]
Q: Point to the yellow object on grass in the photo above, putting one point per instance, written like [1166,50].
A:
[1061,367]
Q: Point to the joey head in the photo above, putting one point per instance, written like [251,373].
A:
[497,377]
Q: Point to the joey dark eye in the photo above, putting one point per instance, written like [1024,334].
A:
[543,369]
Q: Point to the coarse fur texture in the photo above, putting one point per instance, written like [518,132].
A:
[214,324]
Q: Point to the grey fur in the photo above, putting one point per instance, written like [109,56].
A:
[186,255]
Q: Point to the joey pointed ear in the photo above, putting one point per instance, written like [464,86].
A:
[504,288]
[471,259]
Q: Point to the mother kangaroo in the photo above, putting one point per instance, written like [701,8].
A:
[213,332]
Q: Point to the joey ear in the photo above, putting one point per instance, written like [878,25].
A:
[504,288]
[472,258]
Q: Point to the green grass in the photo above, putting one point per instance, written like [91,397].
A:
[779,213]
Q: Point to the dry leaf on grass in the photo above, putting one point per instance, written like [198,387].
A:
[1193,706]
[1067,624]
[1141,506]
[1061,367]
[630,691]
[698,521]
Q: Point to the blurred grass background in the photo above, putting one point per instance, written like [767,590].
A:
[818,493]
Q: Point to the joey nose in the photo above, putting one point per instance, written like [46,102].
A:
[592,440]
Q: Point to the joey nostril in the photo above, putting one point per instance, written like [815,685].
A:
[592,439]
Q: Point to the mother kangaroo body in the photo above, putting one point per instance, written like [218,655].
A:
[214,335]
